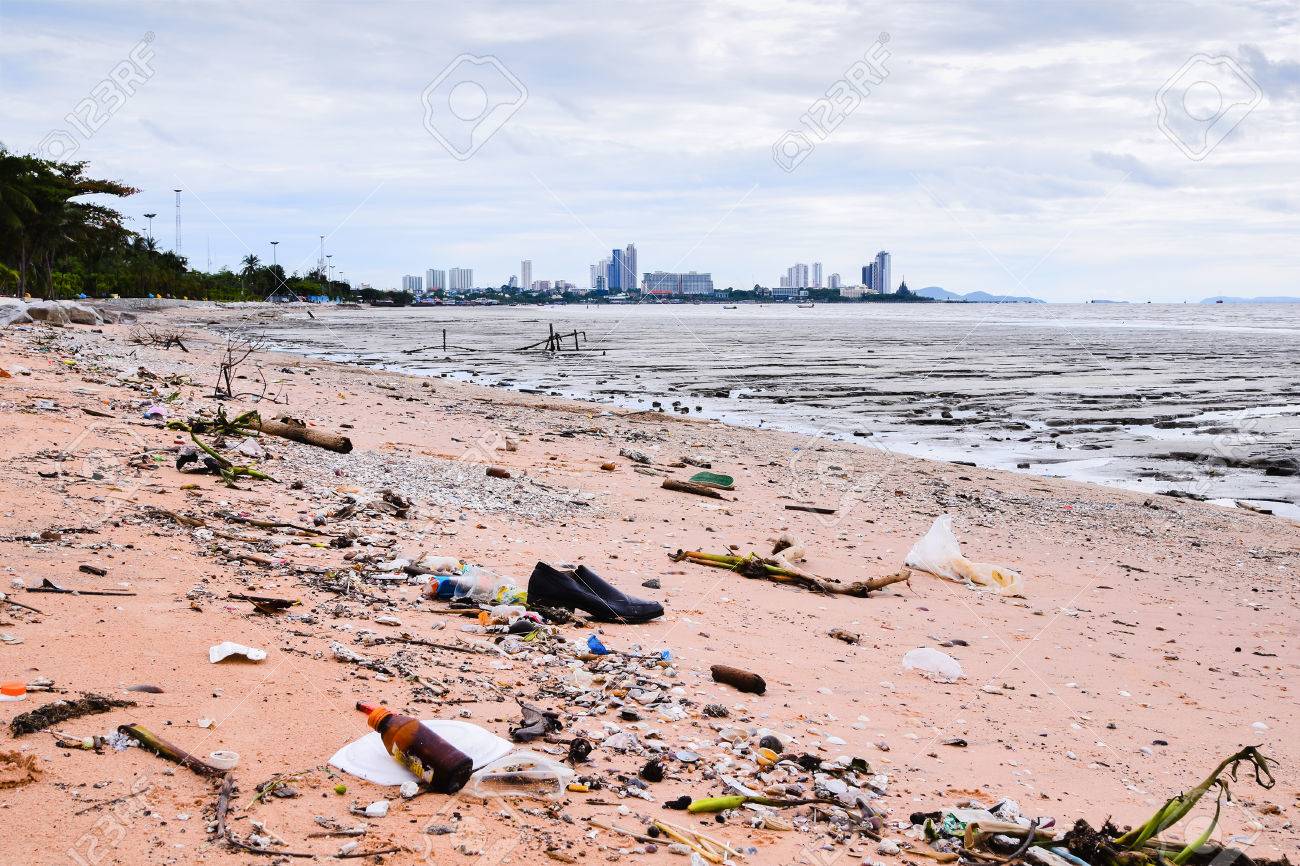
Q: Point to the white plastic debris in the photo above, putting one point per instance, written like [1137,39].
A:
[939,553]
[226,649]
[377,809]
[933,664]
[409,789]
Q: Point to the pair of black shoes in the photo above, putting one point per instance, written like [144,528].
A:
[582,589]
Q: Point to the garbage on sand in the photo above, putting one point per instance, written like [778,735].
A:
[367,758]
[778,567]
[434,761]
[226,649]
[939,553]
[52,714]
[933,664]
[521,774]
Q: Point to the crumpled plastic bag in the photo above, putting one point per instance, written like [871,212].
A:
[939,553]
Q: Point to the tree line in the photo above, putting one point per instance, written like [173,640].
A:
[55,244]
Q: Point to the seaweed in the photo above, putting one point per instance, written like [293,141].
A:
[88,704]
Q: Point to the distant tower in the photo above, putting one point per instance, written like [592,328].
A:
[177,246]
[526,274]
[880,274]
[629,268]
[817,275]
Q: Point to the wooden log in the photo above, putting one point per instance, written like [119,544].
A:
[691,487]
[164,749]
[299,432]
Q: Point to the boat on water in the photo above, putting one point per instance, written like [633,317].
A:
[805,306]
[729,307]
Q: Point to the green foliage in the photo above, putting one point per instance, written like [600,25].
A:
[52,243]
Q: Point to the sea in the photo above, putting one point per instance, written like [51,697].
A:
[1192,400]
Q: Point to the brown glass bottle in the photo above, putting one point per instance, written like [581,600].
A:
[438,764]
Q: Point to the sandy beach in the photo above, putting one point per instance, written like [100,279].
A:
[1155,635]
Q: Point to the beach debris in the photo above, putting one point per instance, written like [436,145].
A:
[226,649]
[691,487]
[51,714]
[48,585]
[5,599]
[536,723]
[214,460]
[520,774]
[96,570]
[811,509]
[714,479]
[297,430]
[145,688]
[845,635]
[635,456]
[739,678]
[164,749]
[223,759]
[933,664]
[939,553]
[17,769]
[498,472]
[778,568]
[13,691]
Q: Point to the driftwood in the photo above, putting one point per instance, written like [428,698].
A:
[781,570]
[224,831]
[692,487]
[811,509]
[300,432]
[164,749]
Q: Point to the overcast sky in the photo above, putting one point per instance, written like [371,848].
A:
[1010,147]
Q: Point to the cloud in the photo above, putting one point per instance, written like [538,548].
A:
[1278,79]
[1133,169]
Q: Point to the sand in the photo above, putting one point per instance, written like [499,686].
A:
[1146,619]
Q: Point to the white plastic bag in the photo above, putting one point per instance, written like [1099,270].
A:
[939,553]
[933,664]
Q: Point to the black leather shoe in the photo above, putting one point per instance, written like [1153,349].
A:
[583,589]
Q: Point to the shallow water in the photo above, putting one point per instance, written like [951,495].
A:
[1194,398]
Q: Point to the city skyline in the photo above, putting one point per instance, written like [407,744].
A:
[1030,178]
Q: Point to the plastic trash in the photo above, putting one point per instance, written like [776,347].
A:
[224,760]
[366,758]
[13,691]
[939,553]
[433,760]
[933,664]
[594,644]
[520,774]
[226,649]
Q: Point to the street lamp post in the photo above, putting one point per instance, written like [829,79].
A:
[149,217]
[274,265]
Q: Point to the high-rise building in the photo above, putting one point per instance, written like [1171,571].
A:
[629,268]
[526,273]
[616,270]
[797,275]
[435,280]
[513,283]
[817,275]
[834,281]
[880,275]
[868,276]
[663,284]
[600,274]
[460,279]
[412,283]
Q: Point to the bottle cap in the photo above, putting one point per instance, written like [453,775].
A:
[13,689]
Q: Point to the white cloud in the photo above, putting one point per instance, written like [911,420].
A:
[1008,138]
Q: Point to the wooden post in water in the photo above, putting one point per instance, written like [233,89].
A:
[444,339]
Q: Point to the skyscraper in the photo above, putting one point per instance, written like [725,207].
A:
[834,282]
[600,274]
[630,281]
[868,277]
[817,275]
[797,275]
[880,274]
[616,270]
[526,274]
[460,279]
[435,280]
[412,283]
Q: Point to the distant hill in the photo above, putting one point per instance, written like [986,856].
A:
[941,294]
[1280,299]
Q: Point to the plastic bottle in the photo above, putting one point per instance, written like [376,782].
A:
[438,764]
